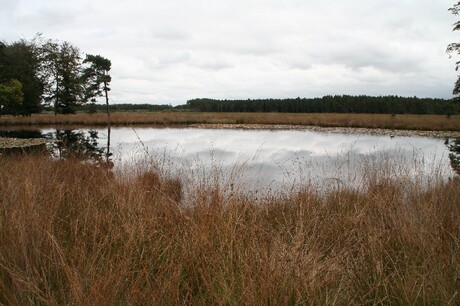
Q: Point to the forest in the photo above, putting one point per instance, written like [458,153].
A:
[332,104]
[326,104]
[92,108]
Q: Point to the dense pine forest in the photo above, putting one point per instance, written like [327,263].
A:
[326,104]
[331,104]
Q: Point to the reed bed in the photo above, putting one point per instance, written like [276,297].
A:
[409,122]
[75,234]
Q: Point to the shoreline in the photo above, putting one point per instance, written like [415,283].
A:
[343,130]
[12,142]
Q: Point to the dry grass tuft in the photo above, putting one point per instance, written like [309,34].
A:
[75,234]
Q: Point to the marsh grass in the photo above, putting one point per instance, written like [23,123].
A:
[72,233]
[410,122]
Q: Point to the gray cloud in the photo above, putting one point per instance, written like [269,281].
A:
[171,51]
[173,58]
[171,34]
[212,64]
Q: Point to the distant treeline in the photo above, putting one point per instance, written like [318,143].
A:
[331,104]
[326,104]
[93,108]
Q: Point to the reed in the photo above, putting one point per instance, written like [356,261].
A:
[411,122]
[73,233]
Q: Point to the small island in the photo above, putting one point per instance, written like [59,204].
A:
[9,143]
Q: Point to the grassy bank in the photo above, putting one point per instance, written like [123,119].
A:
[75,234]
[410,122]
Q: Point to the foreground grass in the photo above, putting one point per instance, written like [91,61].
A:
[75,234]
[410,122]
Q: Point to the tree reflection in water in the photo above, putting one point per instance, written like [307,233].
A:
[82,145]
[94,146]
[21,133]
[454,156]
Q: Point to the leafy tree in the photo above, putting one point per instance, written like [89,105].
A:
[21,61]
[97,78]
[455,47]
[11,97]
[50,52]
[65,85]
[51,73]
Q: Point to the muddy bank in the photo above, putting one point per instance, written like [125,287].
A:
[343,130]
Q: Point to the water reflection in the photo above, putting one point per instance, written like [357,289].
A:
[272,159]
[64,143]
[257,157]
[81,144]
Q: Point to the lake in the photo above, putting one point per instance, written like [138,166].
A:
[259,159]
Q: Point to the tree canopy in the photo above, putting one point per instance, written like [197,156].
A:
[97,78]
[50,73]
[21,61]
[11,97]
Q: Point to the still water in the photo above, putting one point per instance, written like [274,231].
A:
[262,159]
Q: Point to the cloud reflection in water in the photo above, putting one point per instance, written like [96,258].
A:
[280,158]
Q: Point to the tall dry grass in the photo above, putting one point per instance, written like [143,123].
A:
[411,122]
[72,233]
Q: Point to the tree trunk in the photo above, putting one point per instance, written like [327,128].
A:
[106,99]
[56,98]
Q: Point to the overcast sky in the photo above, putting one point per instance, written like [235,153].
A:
[166,52]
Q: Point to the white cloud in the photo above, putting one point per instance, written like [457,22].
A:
[171,51]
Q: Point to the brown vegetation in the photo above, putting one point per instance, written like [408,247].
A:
[411,122]
[71,233]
